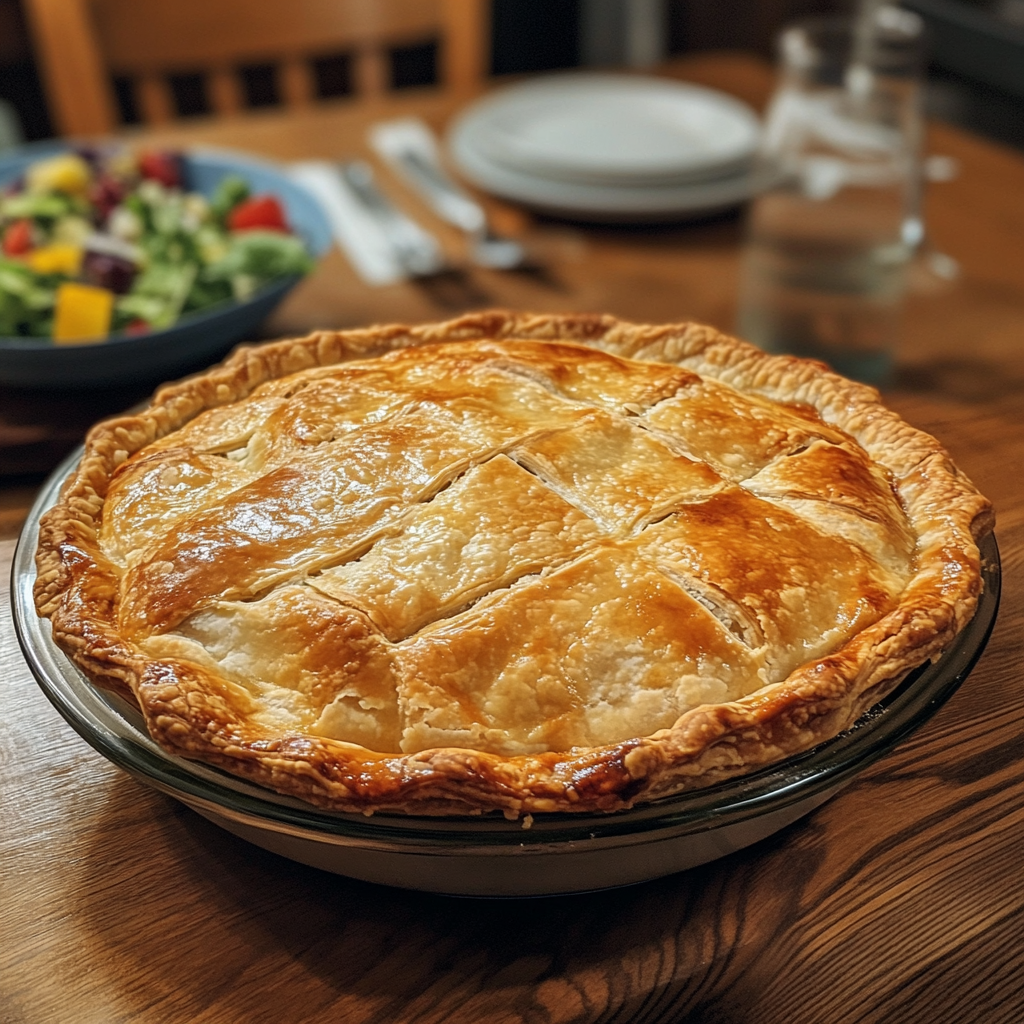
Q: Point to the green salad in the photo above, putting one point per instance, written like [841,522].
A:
[94,244]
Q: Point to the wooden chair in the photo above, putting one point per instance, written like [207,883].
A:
[101,57]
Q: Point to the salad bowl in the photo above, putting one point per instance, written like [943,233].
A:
[194,339]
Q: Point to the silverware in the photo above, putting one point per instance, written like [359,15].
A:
[416,251]
[410,148]
[457,207]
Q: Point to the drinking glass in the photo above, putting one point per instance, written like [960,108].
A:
[828,244]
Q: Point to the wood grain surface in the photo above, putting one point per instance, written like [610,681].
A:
[901,900]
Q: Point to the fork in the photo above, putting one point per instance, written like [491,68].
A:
[416,251]
[409,146]
[457,207]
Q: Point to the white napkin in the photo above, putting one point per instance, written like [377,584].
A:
[393,138]
[409,146]
[358,235]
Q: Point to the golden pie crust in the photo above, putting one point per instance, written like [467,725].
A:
[508,562]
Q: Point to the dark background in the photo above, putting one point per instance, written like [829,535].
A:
[541,35]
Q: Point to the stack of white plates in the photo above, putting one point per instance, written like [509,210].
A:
[610,147]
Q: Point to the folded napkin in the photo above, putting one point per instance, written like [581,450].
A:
[357,233]
[394,139]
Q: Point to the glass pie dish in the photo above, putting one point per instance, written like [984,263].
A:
[487,855]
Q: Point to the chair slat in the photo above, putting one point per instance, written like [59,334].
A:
[225,91]
[465,60]
[160,33]
[371,72]
[297,86]
[156,102]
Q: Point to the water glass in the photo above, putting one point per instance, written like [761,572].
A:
[828,245]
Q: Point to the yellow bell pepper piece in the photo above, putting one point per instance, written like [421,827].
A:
[67,173]
[57,258]
[82,314]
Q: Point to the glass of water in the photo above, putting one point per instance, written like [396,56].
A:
[828,244]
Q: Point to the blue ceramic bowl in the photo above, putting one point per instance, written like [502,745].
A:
[196,339]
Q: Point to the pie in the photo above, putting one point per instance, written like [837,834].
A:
[509,562]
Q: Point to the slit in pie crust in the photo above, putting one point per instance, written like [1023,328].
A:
[509,562]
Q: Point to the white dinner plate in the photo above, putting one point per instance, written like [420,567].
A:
[609,203]
[610,148]
[607,129]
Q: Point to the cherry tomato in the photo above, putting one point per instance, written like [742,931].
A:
[138,326]
[18,238]
[161,166]
[262,212]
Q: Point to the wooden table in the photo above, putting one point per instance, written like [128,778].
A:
[900,900]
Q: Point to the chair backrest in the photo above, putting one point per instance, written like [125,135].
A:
[102,59]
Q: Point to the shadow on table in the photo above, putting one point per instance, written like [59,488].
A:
[39,427]
[230,932]
[968,380]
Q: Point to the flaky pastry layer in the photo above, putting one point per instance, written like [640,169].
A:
[515,562]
